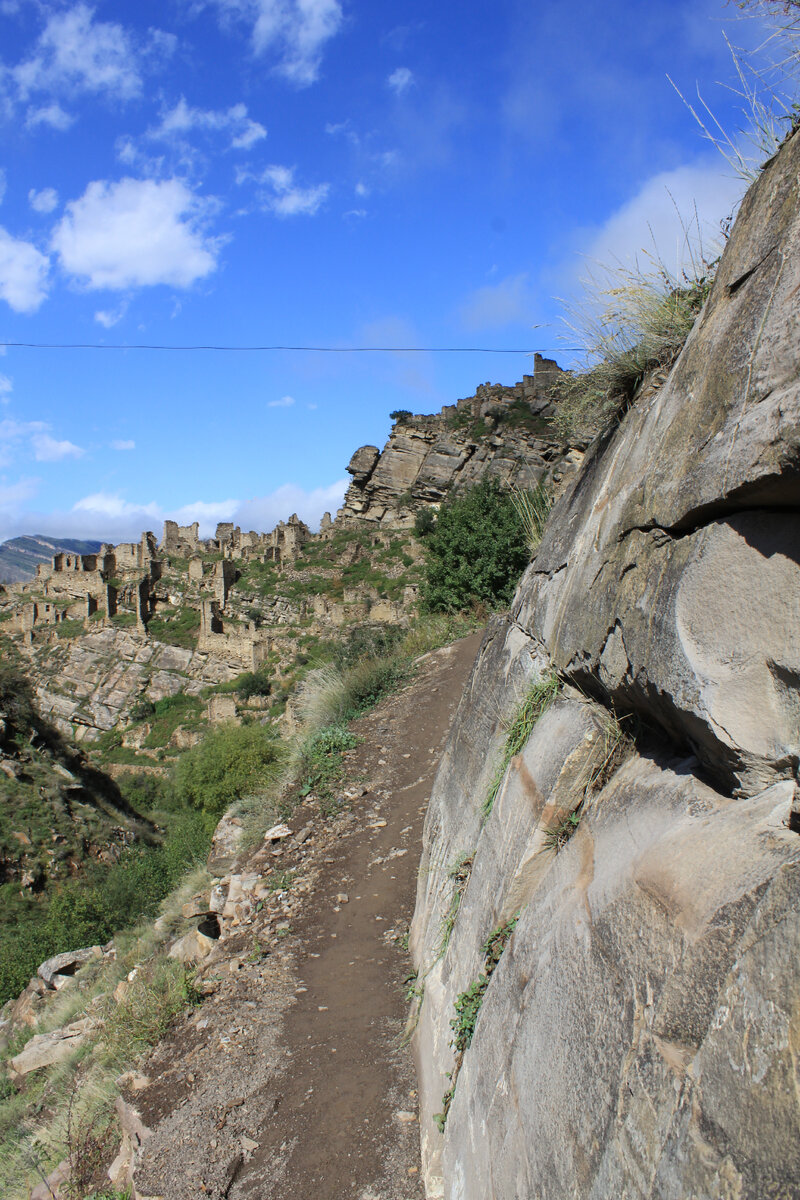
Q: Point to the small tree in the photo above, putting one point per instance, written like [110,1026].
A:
[476,551]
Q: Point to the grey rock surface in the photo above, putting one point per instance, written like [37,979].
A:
[668,578]
[639,1036]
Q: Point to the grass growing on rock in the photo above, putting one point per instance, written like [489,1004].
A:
[467,1007]
[540,696]
[631,323]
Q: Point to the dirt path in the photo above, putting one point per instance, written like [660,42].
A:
[291,1081]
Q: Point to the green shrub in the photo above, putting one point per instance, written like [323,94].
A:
[321,759]
[253,683]
[424,522]
[476,552]
[231,762]
[104,899]
[401,415]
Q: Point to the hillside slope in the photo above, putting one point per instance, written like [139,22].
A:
[20,556]
[608,907]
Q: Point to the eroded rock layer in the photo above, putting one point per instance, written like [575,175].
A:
[639,1034]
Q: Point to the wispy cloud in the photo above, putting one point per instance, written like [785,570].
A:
[108,317]
[182,119]
[123,444]
[48,114]
[282,196]
[497,305]
[50,449]
[284,402]
[674,215]
[295,32]
[6,388]
[111,516]
[400,80]
[135,233]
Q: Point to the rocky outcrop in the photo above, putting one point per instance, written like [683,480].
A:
[88,685]
[638,1036]
[501,432]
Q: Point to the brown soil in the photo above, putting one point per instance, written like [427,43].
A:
[292,1080]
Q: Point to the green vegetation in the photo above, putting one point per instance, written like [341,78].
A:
[533,508]
[630,324]
[401,415]
[123,620]
[476,552]
[559,834]
[88,909]
[170,712]
[459,873]
[71,628]
[540,696]
[467,1007]
[160,990]
[177,627]
[230,762]
[321,760]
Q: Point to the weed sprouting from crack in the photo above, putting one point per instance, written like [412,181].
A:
[540,696]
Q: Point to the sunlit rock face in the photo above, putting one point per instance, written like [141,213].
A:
[639,1035]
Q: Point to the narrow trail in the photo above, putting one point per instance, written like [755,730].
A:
[291,1081]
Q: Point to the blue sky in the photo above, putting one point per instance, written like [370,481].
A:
[312,172]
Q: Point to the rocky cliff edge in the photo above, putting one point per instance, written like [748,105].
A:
[638,1035]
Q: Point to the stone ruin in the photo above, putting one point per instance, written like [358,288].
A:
[126,578]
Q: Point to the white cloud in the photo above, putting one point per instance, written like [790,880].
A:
[108,317]
[122,444]
[6,388]
[110,517]
[361,189]
[294,30]
[135,233]
[44,201]
[497,305]
[49,449]
[12,433]
[264,512]
[48,114]
[23,273]
[77,53]
[284,198]
[182,119]
[284,402]
[2,185]
[661,221]
[399,80]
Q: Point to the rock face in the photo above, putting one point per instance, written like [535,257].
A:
[500,432]
[639,1034]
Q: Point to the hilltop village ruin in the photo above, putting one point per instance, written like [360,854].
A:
[152,618]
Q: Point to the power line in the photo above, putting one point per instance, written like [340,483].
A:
[310,349]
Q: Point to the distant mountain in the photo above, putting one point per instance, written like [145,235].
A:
[20,556]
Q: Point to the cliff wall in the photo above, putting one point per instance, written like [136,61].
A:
[638,1036]
[500,433]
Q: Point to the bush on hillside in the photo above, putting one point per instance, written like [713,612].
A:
[476,552]
[231,762]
